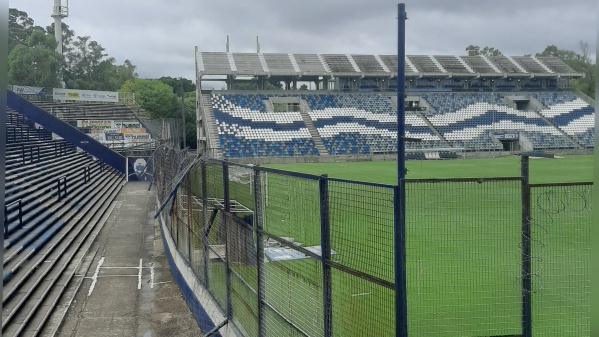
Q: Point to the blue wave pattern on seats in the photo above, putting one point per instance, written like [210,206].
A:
[364,123]
[246,129]
[450,102]
[367,123]
[571,114]
[468,120]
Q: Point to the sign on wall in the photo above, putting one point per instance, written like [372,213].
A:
[506,136]
[85,95]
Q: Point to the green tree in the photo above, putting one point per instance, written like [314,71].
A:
[157,98]
[35,63]
[87,66]
[176,84]
[20,26]
[579,62]
[190,119]
[486,51]
[83,65]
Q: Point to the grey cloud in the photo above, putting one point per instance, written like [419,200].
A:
[159,36]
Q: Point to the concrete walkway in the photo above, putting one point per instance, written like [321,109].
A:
[126,287]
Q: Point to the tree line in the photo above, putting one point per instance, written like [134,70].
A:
[84,64]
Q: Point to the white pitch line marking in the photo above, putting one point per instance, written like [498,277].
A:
[361,294]
[95,276]
[152,275]
[139,274]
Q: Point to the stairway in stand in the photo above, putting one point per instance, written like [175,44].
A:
[313,132]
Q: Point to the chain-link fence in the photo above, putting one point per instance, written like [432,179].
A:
[463,257]
[277,253]
[561,218]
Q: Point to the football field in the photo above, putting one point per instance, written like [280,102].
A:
[542,170]
[462,242]
[463,249]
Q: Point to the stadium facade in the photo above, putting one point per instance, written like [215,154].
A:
[455,105]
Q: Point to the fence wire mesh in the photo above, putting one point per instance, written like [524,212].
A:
[463,257]
[561,218]
[361,226]
[293,279]
[254,239]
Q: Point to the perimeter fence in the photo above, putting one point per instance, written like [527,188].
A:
[278,253]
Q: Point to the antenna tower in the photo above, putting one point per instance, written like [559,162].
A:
[59,10]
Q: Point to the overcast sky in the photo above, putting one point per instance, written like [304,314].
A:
[159,36]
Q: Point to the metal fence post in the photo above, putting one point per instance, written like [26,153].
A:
[526,250]
[205,222]
[189,217]
[399,261]
[399,258]
[325,249]
[258,227]
[226,233]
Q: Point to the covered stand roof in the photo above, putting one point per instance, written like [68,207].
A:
[348,65]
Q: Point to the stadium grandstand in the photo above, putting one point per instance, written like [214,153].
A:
[66,162]
[456,106]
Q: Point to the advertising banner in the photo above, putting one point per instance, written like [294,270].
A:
[133,130]
[27,90]
[95,124]
[137,137]
[112,137]
[85,95]
[125,125]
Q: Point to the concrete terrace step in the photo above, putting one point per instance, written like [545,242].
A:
[25,310]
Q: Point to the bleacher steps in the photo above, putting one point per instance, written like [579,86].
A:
[353,63]
[411,65]
[66,131]
[432,127]
[490,64]
[381,63]
[296,67]
[232,62]
[541,64]
[570,138]
[210,124]
[325,65]
[462,62]
[437,63]
[516,64]
[318,143]
[41,288]
[263,63]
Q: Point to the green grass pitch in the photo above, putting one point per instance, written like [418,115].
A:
[463,250]
[567,169]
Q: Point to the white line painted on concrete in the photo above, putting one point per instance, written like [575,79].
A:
[121,267]
[139,274]
[152,275]
[95,277]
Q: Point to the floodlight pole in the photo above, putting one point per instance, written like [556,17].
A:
[183,113]
[399,232]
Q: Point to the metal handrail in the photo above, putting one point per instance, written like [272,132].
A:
[20,202]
